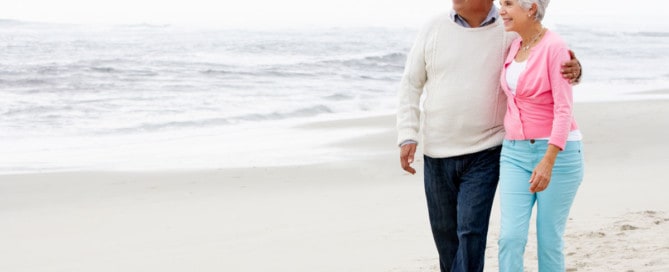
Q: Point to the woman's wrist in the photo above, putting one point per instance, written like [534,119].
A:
[551,153]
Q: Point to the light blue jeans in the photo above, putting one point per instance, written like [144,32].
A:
[517,162]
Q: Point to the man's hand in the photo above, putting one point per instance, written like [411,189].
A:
[407,152]
[571,70]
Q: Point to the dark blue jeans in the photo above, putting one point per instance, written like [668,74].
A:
[460,192]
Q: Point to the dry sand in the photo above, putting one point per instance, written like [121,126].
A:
[363,214]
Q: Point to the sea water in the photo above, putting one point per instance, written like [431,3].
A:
[152,97]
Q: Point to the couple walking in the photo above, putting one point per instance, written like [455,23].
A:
[497,108]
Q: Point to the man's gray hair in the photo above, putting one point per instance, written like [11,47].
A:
[541,7]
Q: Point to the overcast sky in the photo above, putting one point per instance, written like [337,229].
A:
[294,12]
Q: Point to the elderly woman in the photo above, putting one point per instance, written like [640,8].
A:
[541,161]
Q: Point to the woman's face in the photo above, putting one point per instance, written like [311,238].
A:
[515,17]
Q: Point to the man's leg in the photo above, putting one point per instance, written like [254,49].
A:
[479,176]
[441,192]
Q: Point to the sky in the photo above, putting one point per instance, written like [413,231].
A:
[268,13]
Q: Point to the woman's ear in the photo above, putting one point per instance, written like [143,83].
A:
[533,10]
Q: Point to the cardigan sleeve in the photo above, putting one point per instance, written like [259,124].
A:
[563,100]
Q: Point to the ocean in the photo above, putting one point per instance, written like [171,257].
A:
[152,97]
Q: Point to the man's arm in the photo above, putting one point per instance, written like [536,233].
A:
[410,91]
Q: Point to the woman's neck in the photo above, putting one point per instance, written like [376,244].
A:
[531,33]
[530,37]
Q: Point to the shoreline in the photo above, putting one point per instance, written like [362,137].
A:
[269,144]
[321,139]
[357,213]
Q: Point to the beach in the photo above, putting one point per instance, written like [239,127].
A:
[358,214]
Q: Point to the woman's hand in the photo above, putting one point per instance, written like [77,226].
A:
[541,175]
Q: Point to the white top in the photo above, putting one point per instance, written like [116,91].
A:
[457,71]
[513,74]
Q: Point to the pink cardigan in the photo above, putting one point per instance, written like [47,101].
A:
[542,105]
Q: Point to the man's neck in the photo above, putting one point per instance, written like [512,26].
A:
[476,17]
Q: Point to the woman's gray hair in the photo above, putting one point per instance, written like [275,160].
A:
[541,7]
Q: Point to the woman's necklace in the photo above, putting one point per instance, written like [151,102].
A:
[527,47]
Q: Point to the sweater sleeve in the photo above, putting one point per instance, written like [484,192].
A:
[411,89]
[562,97]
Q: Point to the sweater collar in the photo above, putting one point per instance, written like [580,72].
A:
[493,15]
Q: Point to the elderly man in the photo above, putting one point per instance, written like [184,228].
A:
[456,60]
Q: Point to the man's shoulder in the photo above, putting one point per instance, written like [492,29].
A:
[510,38]
[444,16]
[436,21]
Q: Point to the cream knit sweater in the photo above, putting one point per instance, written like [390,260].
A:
[457,71]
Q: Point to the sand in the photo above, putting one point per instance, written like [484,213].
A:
[360,214]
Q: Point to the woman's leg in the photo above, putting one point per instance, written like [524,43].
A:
[553,205]
[516,203]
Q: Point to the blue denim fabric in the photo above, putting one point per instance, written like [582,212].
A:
[460,192]
[518,160]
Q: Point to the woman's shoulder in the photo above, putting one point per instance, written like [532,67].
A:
[553,41]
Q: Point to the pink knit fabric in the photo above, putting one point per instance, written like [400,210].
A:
[542,105]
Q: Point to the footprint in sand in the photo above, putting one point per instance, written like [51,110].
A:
[598,234]
[628,227]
